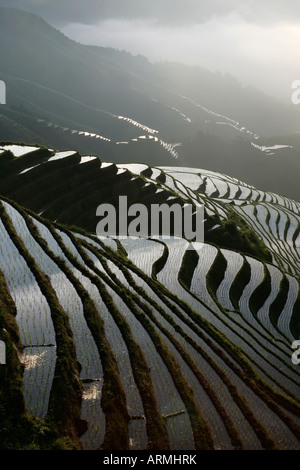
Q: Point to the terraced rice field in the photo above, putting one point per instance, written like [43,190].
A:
[197,343]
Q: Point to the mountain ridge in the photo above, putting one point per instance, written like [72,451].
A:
[153,342]
[118,96]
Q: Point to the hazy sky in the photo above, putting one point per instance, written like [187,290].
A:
[258,41]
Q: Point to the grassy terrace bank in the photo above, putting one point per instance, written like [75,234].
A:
[266,441]
[254,380]
[63,423]
[214,277]
[201,432]
[248,376]
[141,294]
[113,397]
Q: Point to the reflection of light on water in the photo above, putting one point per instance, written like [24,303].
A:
[91,393]
[31,361]
[132,442]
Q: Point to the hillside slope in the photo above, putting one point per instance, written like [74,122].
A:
[62,94]
[128,344]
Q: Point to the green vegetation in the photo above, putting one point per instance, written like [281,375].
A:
[203,345]
[216,272]
[160,263]
[18,430]
[65,401]
[280,301]
[261,293]
[235,234]
[113,397]
[241,280]
[157,433]
[188,266]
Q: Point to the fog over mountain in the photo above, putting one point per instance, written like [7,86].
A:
[258,42]
[63,94]
[167,11]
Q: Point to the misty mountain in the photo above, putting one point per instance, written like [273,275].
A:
[102,101]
